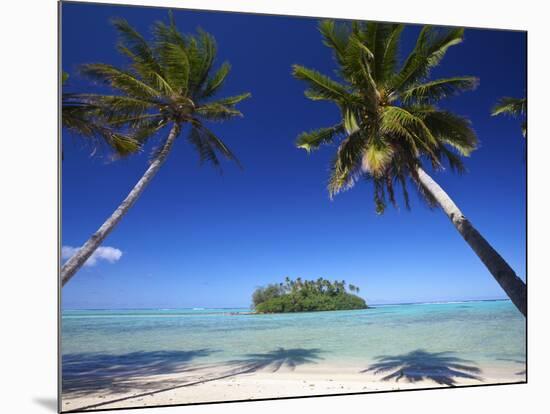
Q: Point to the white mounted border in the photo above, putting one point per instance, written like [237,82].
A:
[28,172]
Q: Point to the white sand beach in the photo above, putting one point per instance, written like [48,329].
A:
[225,383]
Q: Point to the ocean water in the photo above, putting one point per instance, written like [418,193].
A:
[485,332]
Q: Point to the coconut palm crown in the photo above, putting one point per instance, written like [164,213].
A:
[391,124]
[169,81]
[390,120]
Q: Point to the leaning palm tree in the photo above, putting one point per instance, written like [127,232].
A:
[515,107]
[168,84]
[391,126]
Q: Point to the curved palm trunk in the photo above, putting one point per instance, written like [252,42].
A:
[514,287]
[79,258]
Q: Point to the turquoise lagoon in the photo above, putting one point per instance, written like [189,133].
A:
[481,332]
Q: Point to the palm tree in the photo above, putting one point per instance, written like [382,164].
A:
[287,283]
[168,84]
[319,284]
[515,107]
[390,123]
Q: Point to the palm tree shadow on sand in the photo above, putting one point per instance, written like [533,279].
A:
[419,365]
[274,360]
[86,373]
[271,361]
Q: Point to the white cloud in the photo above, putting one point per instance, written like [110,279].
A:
[107,253]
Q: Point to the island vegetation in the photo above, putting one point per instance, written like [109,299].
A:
[306,296]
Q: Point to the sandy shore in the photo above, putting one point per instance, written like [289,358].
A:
[210,383]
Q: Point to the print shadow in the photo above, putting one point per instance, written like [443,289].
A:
[86,373]
[271,361]
[440,367]
[49,404]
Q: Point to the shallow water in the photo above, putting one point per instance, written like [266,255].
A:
[485,332]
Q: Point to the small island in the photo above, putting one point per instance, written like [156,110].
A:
[306,296]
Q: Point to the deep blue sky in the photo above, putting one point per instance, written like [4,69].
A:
[198,238]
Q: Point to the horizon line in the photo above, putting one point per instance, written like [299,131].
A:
[442,302]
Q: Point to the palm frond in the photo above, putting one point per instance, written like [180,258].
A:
[510,106]
[175,63]
[382,39]
[219,145]
[335,36]
[433,91]
[118,109]
[123,145]
[148,128]
[357,69]
[132,44]
[208,145]
[203,147]
[391,192]
[314,139]
[232,100]
[120,80]
[81,118]
[201,52]
[389,58]
[413,132]
[321,87]
[454,160]
[379,196]
[169,33]
[217,112]
[216,81]
[430,48]
[400,176]
[221,109]
[451,129]
[396,119]
[346,166]
[350,120]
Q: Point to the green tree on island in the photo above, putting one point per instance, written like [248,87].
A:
[515,107]
[169,83]
[306,296]
[391,125]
